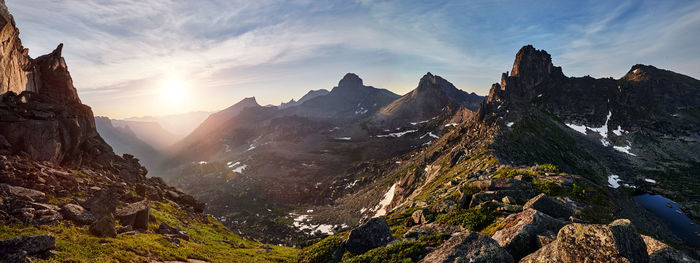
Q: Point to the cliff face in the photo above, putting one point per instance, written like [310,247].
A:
[41,116]
[17,70]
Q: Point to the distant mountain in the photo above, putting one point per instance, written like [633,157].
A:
[433,96]
[348,101]
[178,124]
[124,140]
[309,95]
[149,132]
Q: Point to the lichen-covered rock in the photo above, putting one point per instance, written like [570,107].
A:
[78,214]
[375,233]
[22,193]
[616,242]
[432,229]
[520,236]
[469,247]
[548,206]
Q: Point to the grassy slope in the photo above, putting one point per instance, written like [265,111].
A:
[209,241]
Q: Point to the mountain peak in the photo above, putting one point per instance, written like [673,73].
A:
[532,62]
[350,80]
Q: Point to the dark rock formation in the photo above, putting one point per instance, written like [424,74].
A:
[469,247]
[20,249]
[432,229]
[375,233]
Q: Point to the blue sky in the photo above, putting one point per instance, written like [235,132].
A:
[125,56]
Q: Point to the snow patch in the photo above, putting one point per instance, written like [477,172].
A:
[251,147]
[396,134]
[240,169]
[388,197]
[624,149]
[201,162]
[614,181]
[431,135]
[344,138]
[650,180]
[510,124]
[451,124]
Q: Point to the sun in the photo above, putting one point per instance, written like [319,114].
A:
[174,92]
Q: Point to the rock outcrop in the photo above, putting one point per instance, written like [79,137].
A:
[549,206]
[522,234]
[616,242]
[469,247]
[375,233]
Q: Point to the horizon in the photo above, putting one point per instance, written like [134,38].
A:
[133,59]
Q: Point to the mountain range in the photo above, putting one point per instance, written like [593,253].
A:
[546,168]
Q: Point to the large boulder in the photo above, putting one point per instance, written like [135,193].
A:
[375,233]
[616,242]
[104,227]
[19,248]
[469,247]
[78,214]
[432,229]
[525,230]
[135,215]
[22,193]
[549,206]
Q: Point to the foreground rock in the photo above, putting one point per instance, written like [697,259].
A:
[524,230]
[22,249]
[135,215]
[661,253]
[469,247]
[616,242]
[375,233]
[78,214]
[104,227]
[548,206]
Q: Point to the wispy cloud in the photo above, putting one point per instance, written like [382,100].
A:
[120,52]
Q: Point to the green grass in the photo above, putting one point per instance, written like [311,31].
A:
[329,249]
[473,219]
[402,251]
[209,241]
[547,187]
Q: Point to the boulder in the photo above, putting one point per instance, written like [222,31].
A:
[616,242]
[135,214]
[419,216]
[548,206]
[659,252]
[102,203]
[19,248]
[165,229]
[104,227]
[78,214]
[432,229]
[22,193]
[508,200]
[469,247]
[520,236]
[375,233]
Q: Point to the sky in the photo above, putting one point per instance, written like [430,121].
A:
[158,57]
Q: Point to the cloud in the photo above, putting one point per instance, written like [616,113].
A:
[119,52]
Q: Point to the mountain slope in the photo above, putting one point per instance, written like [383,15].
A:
[432,96]
[149,132]
[486,174]
[124,140]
